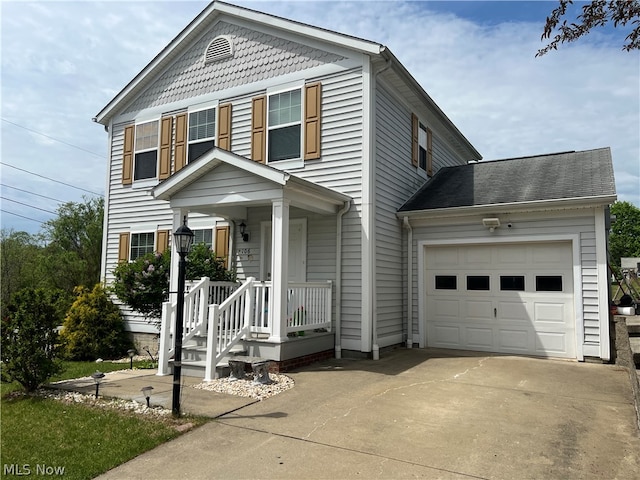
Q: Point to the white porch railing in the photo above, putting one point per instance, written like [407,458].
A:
[241,310]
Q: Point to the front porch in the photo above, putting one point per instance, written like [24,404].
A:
[225,318]
[293,235]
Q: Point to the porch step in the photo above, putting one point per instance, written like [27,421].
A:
[633,325]
[194,360]
[635,350]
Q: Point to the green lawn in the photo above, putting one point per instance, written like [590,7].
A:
[41,435]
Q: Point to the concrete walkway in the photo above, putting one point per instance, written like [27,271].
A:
[414,413]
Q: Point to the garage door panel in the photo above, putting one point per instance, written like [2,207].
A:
[478,310]
[531,312]
[481,338]
[551,343]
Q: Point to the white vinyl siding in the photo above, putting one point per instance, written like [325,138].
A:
[578,223]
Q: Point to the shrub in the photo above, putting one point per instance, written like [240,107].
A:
[144,283]
[93,327]
[29,338]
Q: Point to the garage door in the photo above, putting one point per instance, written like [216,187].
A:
[508,298]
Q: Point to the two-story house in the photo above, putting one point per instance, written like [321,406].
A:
[355,213]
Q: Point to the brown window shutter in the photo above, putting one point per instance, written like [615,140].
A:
[429,152]
[224,126]
[312,114]
[127,156]
[259,129]
[181,142]
[123,247]
[162,240]
[414,144]
[166,132]
[222,245]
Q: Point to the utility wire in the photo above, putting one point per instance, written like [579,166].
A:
[53,138]
[32,193]
[51,179]
[27,205]
[18,215]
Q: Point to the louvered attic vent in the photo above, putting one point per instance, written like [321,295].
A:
[219,48]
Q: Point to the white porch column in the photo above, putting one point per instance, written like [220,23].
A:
[279,269]
[178,219]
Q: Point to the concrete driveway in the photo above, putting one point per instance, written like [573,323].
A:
[419,414]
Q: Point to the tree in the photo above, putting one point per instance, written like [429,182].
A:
[29,338]
[624,240]
[75,243]
[596,13]
[93,327]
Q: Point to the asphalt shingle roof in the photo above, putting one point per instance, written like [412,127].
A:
[555,176]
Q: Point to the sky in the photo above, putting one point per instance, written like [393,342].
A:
[62,62]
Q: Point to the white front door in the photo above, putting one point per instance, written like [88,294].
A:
[297,252]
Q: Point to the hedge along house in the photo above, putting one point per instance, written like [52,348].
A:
[290,149]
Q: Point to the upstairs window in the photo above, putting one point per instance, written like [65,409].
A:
[202,132]
[146,151]
[422,147]
[284,126]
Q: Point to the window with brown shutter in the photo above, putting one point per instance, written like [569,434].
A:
[181,142]
[222,244]
[414,140]
[258,129]
[429,152]
[312,117]
[166,132]
[127,156]
[224,126]
[123,247]
[162,240]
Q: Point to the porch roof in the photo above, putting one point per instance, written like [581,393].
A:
[221,181]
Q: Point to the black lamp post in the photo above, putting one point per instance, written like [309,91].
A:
[131,352]
[97,377]
[183,237]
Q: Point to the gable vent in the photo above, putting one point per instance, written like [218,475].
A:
[219,48]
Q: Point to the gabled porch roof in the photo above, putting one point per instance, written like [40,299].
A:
[224,184]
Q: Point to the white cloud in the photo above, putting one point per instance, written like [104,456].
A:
[63,61]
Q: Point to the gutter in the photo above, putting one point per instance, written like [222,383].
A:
[407,225]
[338,337]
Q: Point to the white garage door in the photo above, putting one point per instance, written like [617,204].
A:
[511,298]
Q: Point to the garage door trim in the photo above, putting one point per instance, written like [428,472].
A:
[422,245]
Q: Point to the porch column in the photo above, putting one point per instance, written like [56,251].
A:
[279,269]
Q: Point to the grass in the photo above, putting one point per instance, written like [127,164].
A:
[83,440]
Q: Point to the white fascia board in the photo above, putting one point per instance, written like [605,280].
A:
[554,204]
[192,171]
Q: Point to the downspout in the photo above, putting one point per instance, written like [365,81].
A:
[341,213]
[375,348]
[407,225]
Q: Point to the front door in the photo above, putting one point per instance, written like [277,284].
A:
[297,252]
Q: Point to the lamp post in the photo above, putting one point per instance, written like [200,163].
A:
[131,352]
[183,238]
[97,377]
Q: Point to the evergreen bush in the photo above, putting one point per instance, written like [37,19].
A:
[94,327]
[29,337]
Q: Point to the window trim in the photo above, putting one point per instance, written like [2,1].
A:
[199,108]
[146,180]
[291,162]
[142,232]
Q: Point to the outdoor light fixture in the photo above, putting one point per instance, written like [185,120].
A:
[97,377]
[146,391]
[131,352]
[183,237]
[243,234]
[491,223]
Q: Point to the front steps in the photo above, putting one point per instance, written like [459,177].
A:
[194,356]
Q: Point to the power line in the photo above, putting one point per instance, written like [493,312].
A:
[27,205]
[32,193]
[51,179]
[53,138]
[18,215]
